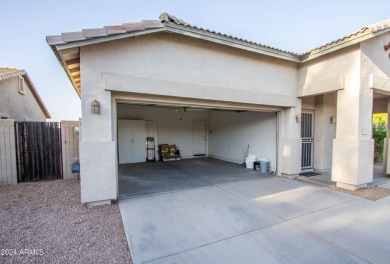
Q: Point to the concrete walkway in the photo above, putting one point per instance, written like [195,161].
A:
[380,178]
[258,220]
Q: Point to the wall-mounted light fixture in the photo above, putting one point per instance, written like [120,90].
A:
[95,107]
[333,119]
[298,118]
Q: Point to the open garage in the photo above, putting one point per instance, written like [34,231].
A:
[213,143]
[226,91]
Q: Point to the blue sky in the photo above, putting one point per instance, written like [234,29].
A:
[290,25]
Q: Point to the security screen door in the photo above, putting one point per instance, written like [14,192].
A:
[307,135]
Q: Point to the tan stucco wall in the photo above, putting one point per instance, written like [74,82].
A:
[342,72]
[375,60]
[329,73]
[376,74]
[325,76]
[324,131]
[173,65]
[336,84]
[178,66]
[21,107]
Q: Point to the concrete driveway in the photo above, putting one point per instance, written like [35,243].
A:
[246,217]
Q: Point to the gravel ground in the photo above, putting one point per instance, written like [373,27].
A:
[372,193]
[44,222]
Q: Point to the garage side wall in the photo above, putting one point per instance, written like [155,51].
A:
[230,133]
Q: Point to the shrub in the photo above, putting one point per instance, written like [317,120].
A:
[379,131]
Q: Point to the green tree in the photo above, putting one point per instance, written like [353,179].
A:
[379,133]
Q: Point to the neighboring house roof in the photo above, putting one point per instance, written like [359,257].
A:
[6,73]
[66,46]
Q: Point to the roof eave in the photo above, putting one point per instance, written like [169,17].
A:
[56,48]
[105,39]
[62,63]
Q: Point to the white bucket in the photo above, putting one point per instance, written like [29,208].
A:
[250,160]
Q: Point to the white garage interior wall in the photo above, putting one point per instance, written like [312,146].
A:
[230,133]
[227,133]
[170,129]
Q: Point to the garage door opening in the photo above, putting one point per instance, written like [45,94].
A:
[209,141]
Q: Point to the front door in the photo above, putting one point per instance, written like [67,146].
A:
[199,137]
[307,135]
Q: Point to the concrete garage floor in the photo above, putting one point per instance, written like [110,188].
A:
[200,216]
[159,177]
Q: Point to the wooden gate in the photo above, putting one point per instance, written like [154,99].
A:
[38,151]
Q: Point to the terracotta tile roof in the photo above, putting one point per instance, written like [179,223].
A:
[140,26]
[103,32]
[165,17]
[167,23]
[384,25]
[6,73]
[369,31]
[173,24]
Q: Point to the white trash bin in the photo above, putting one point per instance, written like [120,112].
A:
[250,160]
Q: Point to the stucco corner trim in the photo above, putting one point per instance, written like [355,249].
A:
[322,87]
